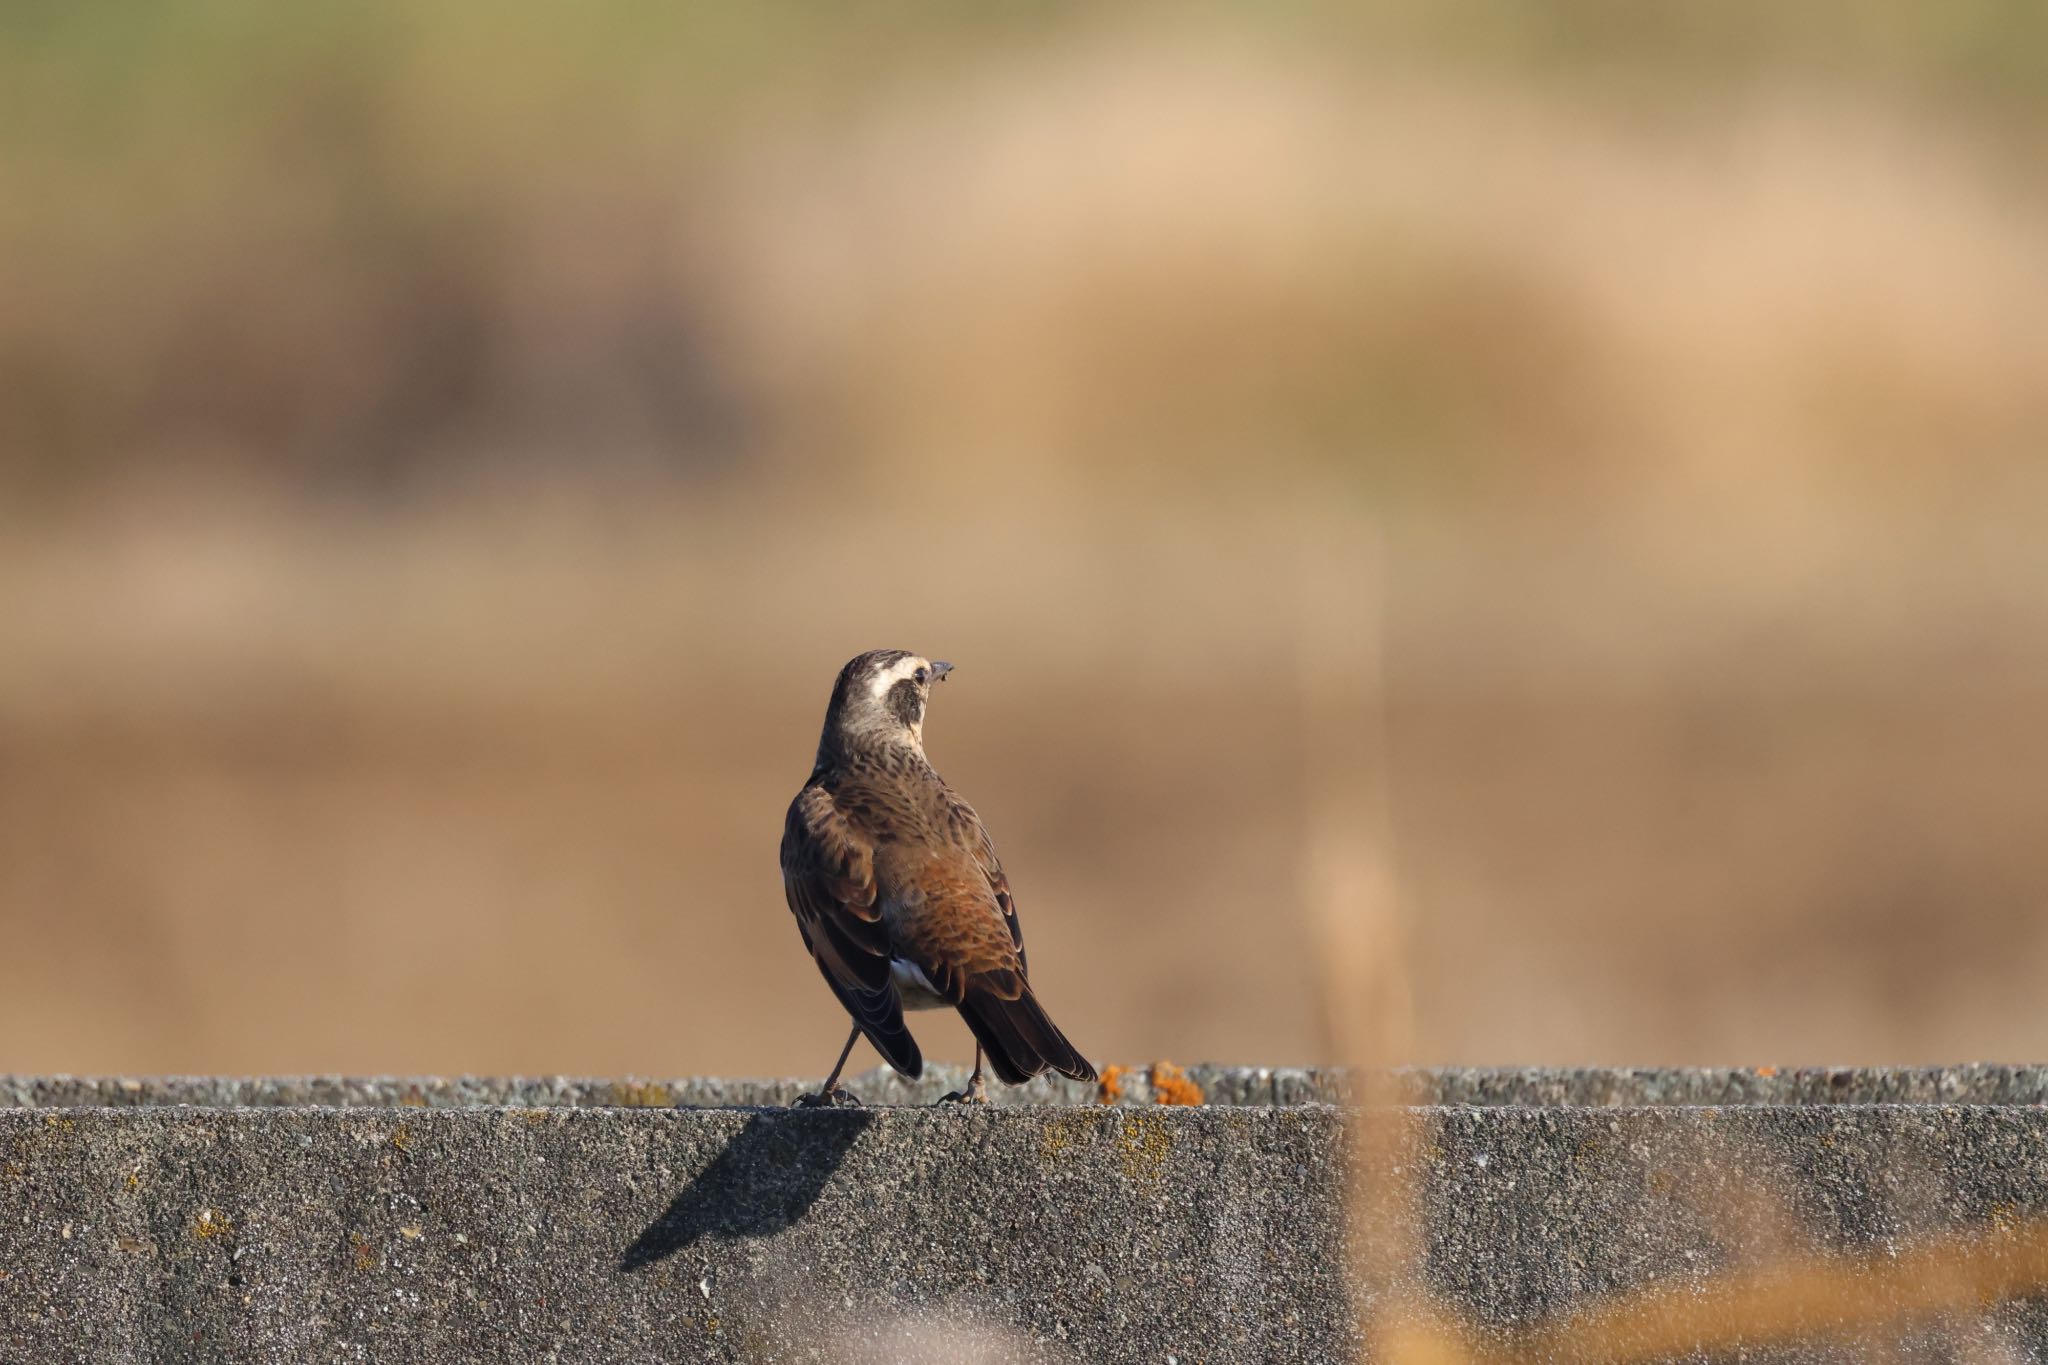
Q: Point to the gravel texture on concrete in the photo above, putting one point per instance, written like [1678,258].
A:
[602,1235]
[1538,1086]
[328,1223]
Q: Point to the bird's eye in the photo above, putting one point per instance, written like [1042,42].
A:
[920,675]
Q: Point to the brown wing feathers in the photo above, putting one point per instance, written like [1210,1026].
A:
[968,832]
[966,939]
[828,878]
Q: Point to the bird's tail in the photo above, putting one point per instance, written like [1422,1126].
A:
[1020,1039]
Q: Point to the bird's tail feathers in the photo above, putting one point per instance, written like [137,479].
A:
[1020,1039]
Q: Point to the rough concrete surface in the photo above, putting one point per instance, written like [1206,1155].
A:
[442,1230]
[1538,1086]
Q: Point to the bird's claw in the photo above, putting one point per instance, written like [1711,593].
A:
[835,1098]
[975,1093]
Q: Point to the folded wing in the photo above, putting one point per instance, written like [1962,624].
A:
[960,927]
[828,876]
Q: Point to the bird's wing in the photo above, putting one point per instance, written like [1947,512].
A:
[955,919]
[946,919]
[970,835]
[828,876]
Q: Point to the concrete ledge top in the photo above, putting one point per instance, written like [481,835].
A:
[1134,1086]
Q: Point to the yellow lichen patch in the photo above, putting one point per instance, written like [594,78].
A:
[1062,1130]
[1141,1147]
[132,1180]
[402,1139]
[1110,1088]
[641,1094]
[1171,1085]
[211,1223]
[366,1259]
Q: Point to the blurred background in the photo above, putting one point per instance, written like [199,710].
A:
[1591,452]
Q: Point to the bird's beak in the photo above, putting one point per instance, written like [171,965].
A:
[940,670]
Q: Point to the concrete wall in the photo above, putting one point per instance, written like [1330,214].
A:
[583,1221]
[1537,1086]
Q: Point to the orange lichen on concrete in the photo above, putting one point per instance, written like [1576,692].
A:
[1171,1085]
[1110,1088]
[211,1223]
[1767,1071]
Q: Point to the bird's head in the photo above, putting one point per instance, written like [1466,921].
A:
[880,699]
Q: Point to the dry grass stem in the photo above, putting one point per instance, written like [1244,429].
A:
[1827,1296]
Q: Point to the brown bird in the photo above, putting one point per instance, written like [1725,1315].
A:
[896,887]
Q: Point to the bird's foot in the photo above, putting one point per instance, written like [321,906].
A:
[835,1098]
[975,1093]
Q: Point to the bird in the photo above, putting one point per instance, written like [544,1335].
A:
[898,893]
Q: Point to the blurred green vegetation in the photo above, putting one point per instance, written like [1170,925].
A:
[285,238]
[1990,54]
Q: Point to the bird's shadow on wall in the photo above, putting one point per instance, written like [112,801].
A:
[766,1179]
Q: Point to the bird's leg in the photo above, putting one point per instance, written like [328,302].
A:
[830,1095]
[977,1089]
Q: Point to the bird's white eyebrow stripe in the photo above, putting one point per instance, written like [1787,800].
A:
[893,674]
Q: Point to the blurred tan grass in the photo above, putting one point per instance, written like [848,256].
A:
[445,462]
